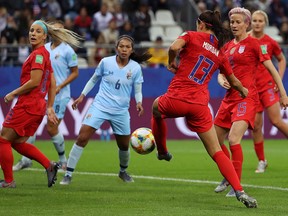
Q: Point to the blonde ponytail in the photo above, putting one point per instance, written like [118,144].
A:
[63,35]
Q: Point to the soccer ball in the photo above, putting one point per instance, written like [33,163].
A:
[142,141]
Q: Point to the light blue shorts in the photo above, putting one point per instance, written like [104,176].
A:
[120,122]
[60,107]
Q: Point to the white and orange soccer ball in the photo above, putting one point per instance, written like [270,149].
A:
[142,141]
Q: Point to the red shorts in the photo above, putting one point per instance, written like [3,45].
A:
[23,123]
[267,99]
[198,117]
[235,111]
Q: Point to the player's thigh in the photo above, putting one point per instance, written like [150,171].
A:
[120,123]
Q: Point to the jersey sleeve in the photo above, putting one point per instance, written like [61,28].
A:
[139,75]
[185,36]
[38,61]
[262,51]
[71,57]
[276,49]
[100,69]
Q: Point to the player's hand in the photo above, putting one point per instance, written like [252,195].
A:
[77,101]
[276,89]
[172,67]
[52,116]
[223,81]
[140,109]
[9,97]
[284,102]
[244,93]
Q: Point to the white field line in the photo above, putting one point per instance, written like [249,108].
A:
[167,179]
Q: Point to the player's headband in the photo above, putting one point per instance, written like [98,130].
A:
[43,26]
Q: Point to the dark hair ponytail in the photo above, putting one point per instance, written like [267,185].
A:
[141,55]
[212,20]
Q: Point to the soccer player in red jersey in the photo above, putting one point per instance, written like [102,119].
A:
[24,118]
[267,90]
[236,114]
[187,95]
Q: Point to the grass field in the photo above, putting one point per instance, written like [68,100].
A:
[183,186]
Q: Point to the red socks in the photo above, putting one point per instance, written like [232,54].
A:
[225,150]
[259,149]
[237,158]
[227,170]
[6,159]
[159,130]
[32,152]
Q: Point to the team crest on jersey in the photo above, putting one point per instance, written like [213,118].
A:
[232,51]
[241,49]
[39,59]
[264,49]
[129,75]
[57,56]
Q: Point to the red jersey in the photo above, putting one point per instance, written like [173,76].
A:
[34,101]
[199,59]
[244,58]
[264,80]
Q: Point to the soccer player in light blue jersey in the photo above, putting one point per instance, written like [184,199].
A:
[65,66]
[118,73]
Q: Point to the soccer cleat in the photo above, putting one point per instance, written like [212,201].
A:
[166,156]
[52,173]
[248,201]
[4,184]
[231,193]
[66,180]
[125,177]
[222,186]
[22,165]
[262,165]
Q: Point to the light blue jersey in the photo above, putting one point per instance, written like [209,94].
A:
[116,85]
[62,57]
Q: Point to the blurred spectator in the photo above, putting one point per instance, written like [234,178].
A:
[10,30]
[44,12]
[225,8]
[176,8]
[83,23]
[23,19]
[92,6]
[111,4]
[107,36]
[6,53]
[54,9]
[284,31]
[159,5]
[130,6]
[23,51]
[120,16]
[141,22]
[263,5]
[3,18]
[202,6]
[101,20]
[127,29]
[70,7]
[159,54]
[277,12]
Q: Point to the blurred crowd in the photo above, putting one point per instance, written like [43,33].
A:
[102,21]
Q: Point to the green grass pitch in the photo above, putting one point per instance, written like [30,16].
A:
[183,186]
